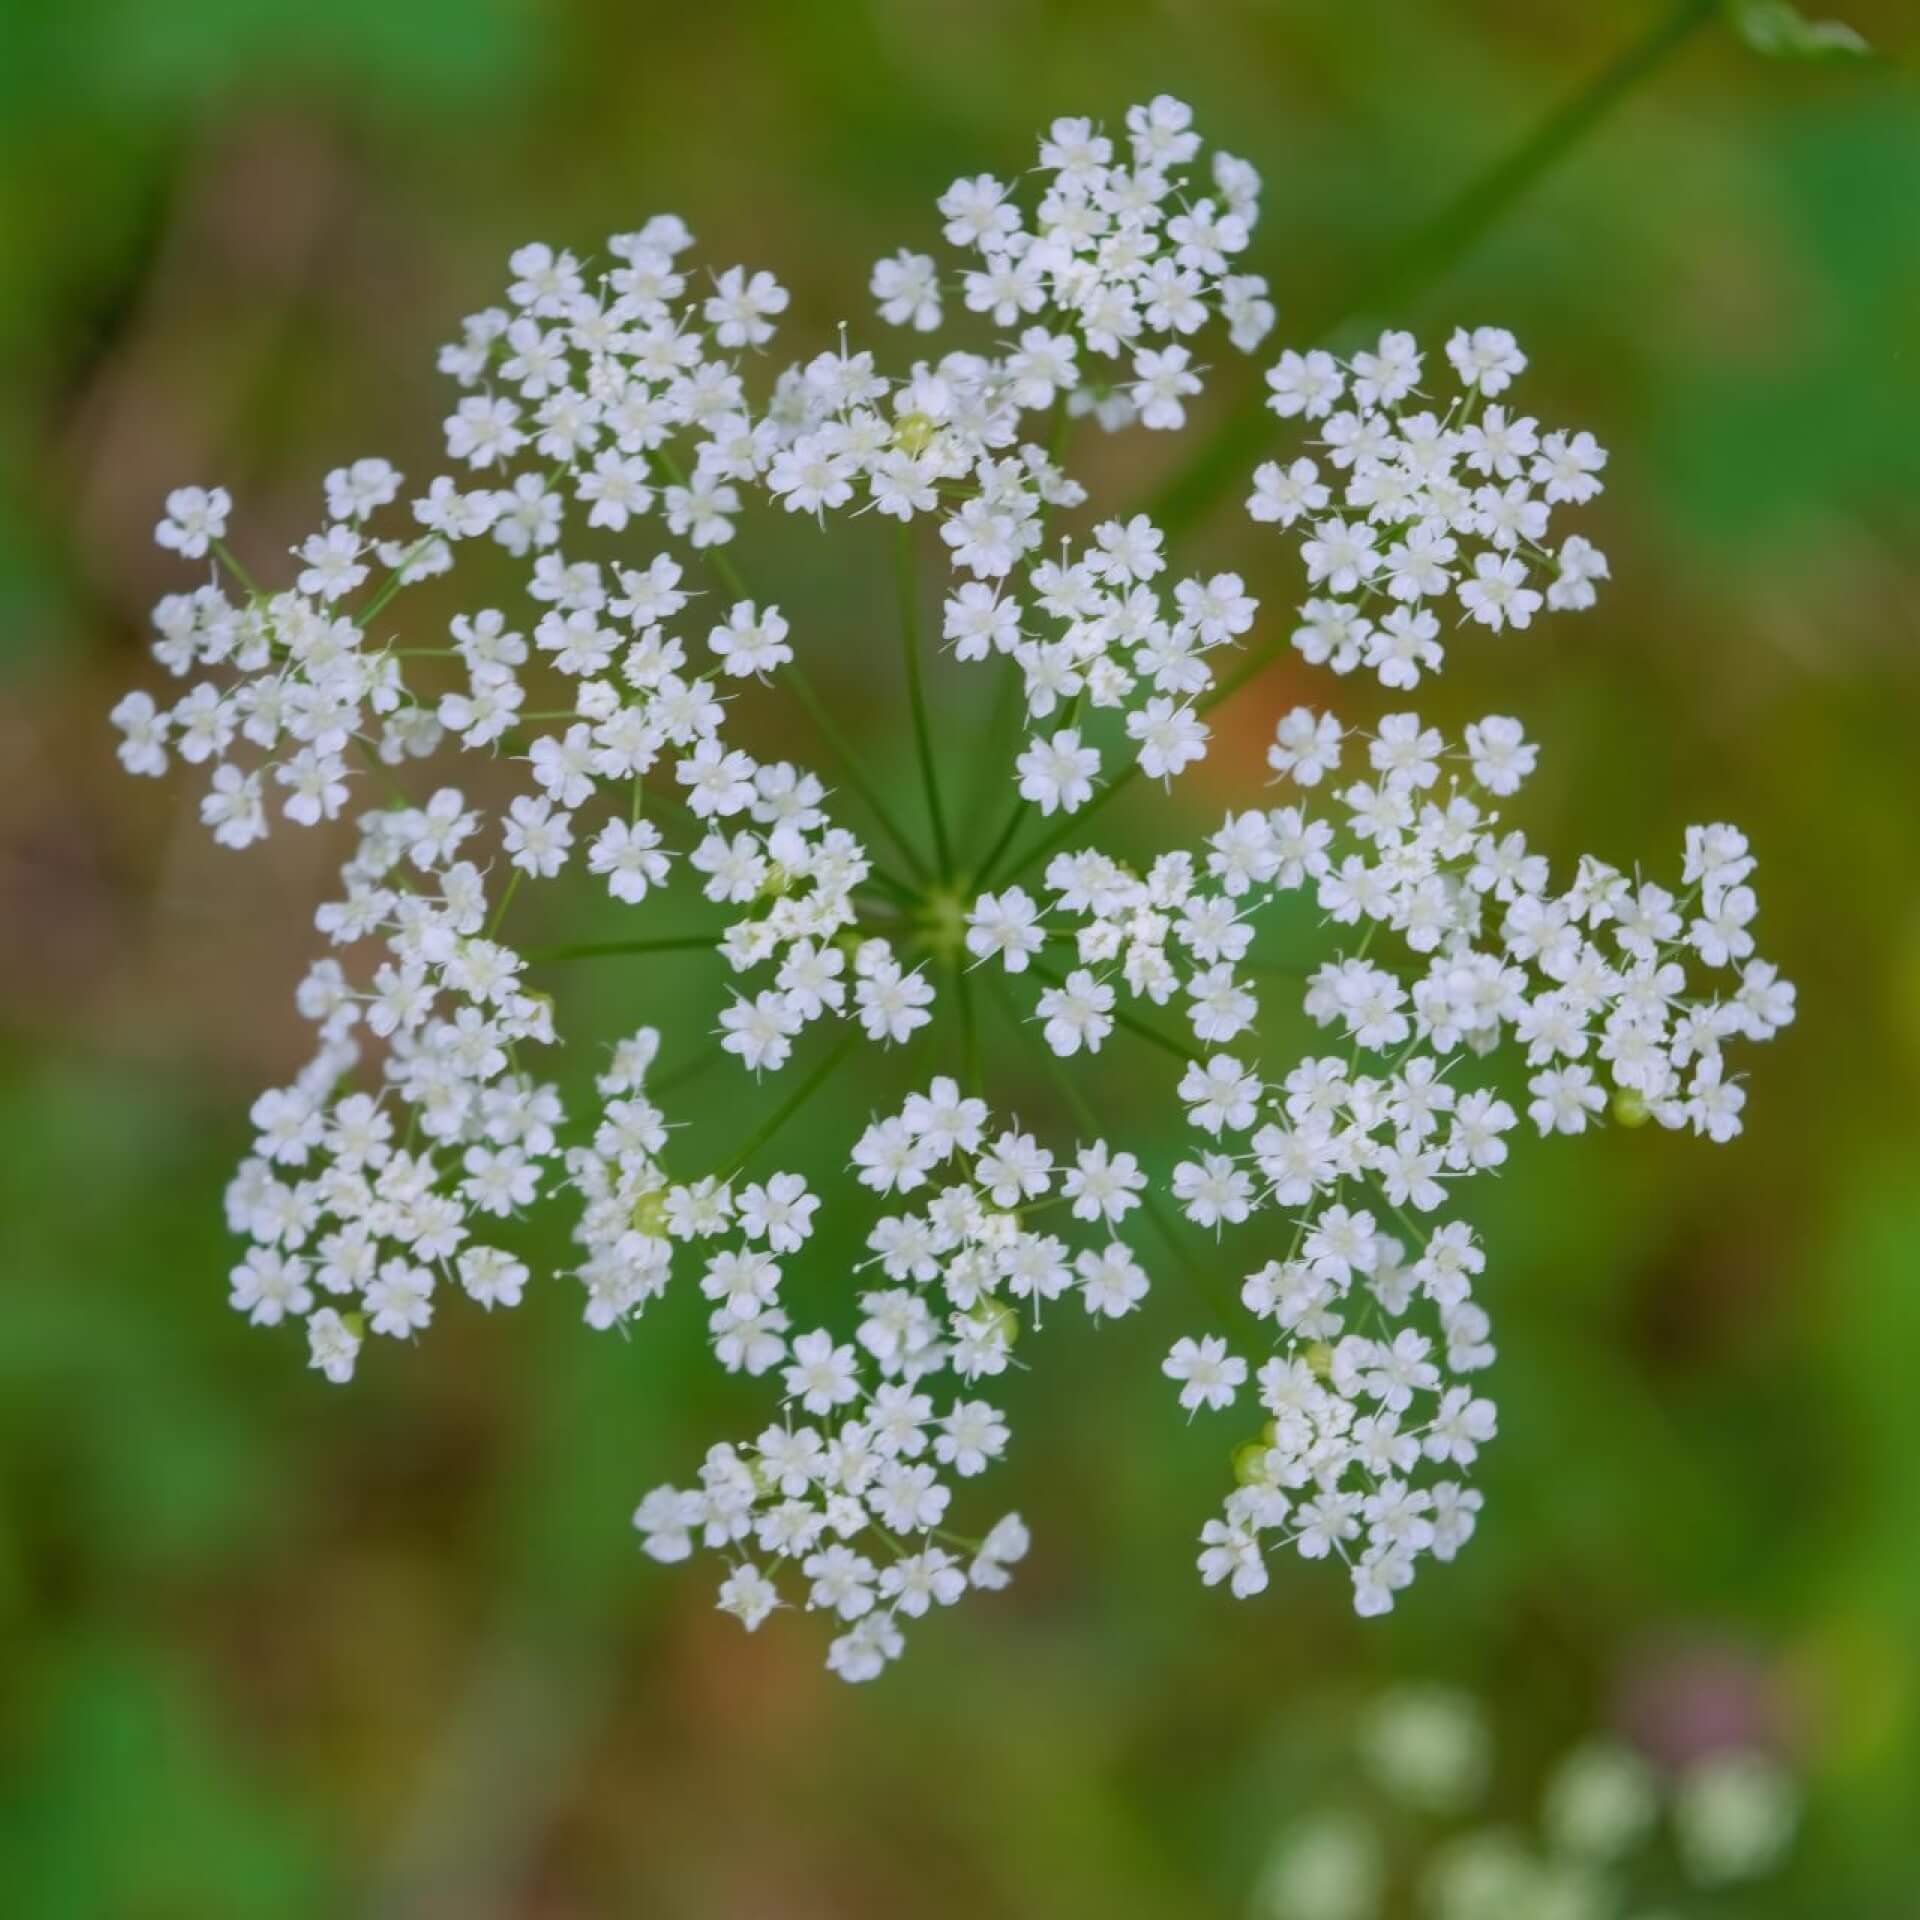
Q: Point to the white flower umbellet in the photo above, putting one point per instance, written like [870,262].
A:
[615,419]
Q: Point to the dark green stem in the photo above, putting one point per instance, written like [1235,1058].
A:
[1083,1117]
[393,582]
[971,1075]
[817,1079]
[506,900]
[231,561]
[1020,809]
[830,732]
[909,589]
[1255,663]
[724,569]
[605,949]
[1431,249]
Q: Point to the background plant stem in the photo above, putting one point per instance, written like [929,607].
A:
[909,589]
[1430,251]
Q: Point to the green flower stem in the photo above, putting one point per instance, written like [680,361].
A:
[728,573]
[397,795]
[1255,663]
[1195,1277]
[1083,1117]
[685,1074]
[608,949]
[908,584]
[971,1075]
[1009,703]
[1000,733]
[1436,247]
[393,582]
[997,852]
[1417,1235]
[1021,807]
[965,1541]
[1431,249]
[829,730]
[817,1079]
[231,561]
[665,943]
[720,563]
[506,900]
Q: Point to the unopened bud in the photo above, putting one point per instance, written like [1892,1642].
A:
[913,432]
[996,1318]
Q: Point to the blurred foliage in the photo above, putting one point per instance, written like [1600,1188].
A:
[275,1649]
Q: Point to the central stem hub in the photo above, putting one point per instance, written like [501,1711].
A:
[944,923]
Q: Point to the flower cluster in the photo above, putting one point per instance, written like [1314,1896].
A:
[1588,983]
[1098,634]
[615,420]
[850,1487]
[1126,257]
[371,1200]
[1431,507]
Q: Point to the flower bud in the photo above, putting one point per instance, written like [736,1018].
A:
[997,1317]
[913,432]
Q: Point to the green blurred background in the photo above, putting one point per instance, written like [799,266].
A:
[274,1649]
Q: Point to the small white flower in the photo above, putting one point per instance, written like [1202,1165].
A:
[1058,773]
[334,1346]
[1209,1376]
[196,517]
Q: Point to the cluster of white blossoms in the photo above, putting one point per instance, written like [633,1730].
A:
[849,1488]
[1434,509]
[1415,1834]
[1417,509]
[361,1202]
[1126,256]
[1369,1313]
[615,421]
[1097,633]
